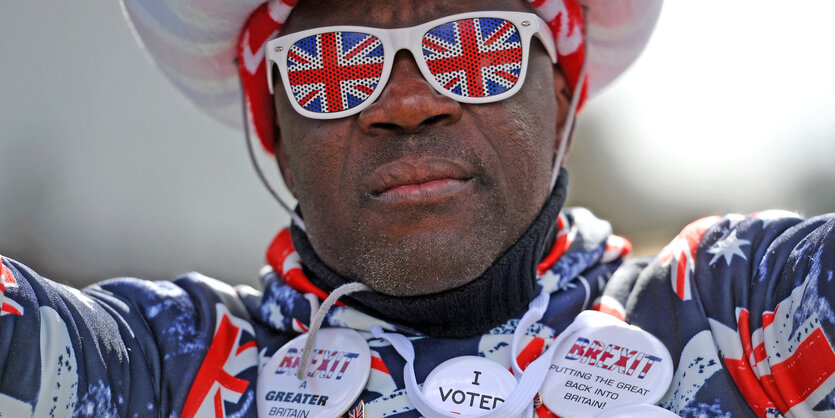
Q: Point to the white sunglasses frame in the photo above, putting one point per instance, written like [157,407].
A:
[394,40]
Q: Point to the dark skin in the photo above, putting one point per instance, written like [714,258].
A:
[419,193]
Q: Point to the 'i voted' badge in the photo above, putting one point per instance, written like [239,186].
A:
[468,385]
[603,363]
[338,372]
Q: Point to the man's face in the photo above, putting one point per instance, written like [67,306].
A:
[419,193]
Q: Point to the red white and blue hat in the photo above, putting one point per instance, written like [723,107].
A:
[210,48]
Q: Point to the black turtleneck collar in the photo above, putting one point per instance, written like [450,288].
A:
[500,293]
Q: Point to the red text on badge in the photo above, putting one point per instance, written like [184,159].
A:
[325,364]
[612,357]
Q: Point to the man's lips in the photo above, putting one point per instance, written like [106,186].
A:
[418,180]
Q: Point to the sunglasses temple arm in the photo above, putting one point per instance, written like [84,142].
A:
[269,63]
[547,39]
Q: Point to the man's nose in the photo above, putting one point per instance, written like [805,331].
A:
[408,103]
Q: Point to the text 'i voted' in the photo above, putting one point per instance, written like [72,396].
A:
[468,385]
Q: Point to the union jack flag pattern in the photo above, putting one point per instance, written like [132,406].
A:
[474,57]
[358,411]
[334,71]
[233,350]
[679,255]
[7,280]
[743,303]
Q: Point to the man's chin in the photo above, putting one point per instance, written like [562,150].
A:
[413,278]
[425,256]
[419,247]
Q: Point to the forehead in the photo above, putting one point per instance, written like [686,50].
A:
[387,13]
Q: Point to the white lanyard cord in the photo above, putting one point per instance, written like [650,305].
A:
[316,322]
[528,382]
[568,129]
[293,215]
[536,309]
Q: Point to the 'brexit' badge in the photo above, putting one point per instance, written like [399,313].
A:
[337,374]
[603,363]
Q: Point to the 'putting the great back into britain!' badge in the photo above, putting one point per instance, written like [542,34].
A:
[337,374]
[603,363]
[639,410]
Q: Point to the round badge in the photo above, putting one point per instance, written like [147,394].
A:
[337,375]
[468,385]
[640,410]
[603,363]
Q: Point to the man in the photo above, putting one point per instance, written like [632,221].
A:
[446,211]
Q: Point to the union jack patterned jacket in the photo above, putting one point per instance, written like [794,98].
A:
[743,303]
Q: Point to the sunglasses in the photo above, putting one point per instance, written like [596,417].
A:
[337,71]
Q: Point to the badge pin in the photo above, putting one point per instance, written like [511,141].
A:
[337,375]
[640,410]
[603,363]
[468,385]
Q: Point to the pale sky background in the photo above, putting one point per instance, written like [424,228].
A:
[105,170]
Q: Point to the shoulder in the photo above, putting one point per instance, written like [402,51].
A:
[730,252]
[91,343]
[742,303]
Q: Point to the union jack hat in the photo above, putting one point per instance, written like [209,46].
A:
[210,48]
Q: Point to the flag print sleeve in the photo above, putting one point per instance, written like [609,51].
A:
[744,303]
[124,347]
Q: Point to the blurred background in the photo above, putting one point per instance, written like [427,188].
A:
[105,170]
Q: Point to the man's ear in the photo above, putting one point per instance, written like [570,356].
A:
[281,159]
[563,94]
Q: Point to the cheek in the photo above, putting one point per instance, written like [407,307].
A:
[315,151]
[531,128]
[316,163]
[523,132]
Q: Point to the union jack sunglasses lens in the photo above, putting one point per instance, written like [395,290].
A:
[477,57]
[334,71]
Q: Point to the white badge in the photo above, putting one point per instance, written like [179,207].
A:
[468,385]
[640,410]
[337,375]
[603,363]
